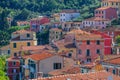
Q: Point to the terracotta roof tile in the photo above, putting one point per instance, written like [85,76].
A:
[102,75]
[96,19]
[113,61]
[39,56]
[21,31]
[103,8]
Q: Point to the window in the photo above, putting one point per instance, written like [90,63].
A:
[57,65]
[88,59]
[8,51]
[28,35]
[80,51]
[14,45]
[107,69]
[98,42]
[88,42]
[88,52]
[14,70]
[114,72]
[15,54]
[14,63]
[28,43]
[98,51]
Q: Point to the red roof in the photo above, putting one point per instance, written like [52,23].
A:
[102,75]
[39,56]
[21,31]
[103,8]
[114,61]
[96,19]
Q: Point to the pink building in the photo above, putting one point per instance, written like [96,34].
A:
[96,22]
[106,13]
[88,46]
[35,24]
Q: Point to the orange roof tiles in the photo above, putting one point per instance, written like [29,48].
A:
[114,61]
[96,19]
[102,75]
[83,35]
[39,56]
[103,8]
[21,31]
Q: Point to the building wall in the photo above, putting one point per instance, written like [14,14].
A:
[11,67]
[55,35]
[110,68]
[37,23]
[112,4]
[68,16]
[82,45]
[19,45]
[46,65]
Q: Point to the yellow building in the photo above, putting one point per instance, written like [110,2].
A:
[21,38]
[56,17]
[112,3]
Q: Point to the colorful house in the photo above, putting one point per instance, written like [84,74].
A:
[106,13]
[23,23]
[21,38]
[14,68]
[112,65]
[42,63]
[35,24]
[83,42]
[107,41]
[68,15]
[112,3]
[96,22]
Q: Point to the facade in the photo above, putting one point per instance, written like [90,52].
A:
[23,23]
[55,35]
[42,63]
[56,17]
[96,22]
[112,66]
[21,38]
[106,13]
[100,75]
[14,68]
[68,26]
[35,24]
[107,42]
[68,15]
[44,27]
[5,50]
[112,3]
[83,42]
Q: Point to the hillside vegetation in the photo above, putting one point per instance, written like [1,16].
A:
[26,9]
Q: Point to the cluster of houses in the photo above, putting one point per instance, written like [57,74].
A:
[84,50]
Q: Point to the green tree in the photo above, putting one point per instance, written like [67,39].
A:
[118,39]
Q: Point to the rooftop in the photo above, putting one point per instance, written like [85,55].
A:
[102,75]
[69,11]
[26,48]
[39,56]
[96,19]
[55,29]
[103,8]
[22,31]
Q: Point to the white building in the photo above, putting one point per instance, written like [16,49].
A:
[68,15]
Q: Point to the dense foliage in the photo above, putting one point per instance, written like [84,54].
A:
[3,75]
[25,9]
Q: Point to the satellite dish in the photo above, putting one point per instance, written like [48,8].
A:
[110,78]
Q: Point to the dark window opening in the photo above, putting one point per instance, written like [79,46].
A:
[57,65]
